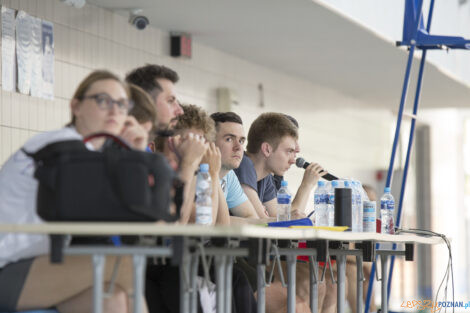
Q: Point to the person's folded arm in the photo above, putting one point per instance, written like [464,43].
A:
[223,216]
[235,220]
[188,207]
[253,198]
[245,210]
[271,207]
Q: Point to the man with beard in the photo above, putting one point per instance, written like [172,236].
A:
[159,82]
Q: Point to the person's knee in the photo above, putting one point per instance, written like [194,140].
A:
[118,302]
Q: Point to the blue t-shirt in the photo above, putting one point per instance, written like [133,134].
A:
[246,174]
[233,191]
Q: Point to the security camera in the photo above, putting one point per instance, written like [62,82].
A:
[138,20]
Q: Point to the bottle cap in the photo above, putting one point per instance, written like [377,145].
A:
[334,183]
[204,168]
[387,189]
[346,183]
[284,183]
[321,183]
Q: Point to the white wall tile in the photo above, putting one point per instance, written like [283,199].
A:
[5,3]
[15,109]
[42,114]
[23,106]
[5,152]
[33,113]
[62,13]
[6,108]
[47,9]
[93,38]
[14,4]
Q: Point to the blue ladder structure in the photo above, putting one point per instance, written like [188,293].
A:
[415,35]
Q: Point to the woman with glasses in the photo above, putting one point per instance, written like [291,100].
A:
[27,279]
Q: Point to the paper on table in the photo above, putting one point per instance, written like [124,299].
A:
[332,228]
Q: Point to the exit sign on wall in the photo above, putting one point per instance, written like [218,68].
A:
[180,45]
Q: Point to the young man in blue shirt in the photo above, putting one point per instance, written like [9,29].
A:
[230,139]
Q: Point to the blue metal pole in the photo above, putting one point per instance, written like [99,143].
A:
[400,115]
[395,141]
[370,286]
[405,170]
[403,96]
[390,169]
[410,145]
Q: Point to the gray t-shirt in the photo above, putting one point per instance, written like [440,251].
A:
[246,174]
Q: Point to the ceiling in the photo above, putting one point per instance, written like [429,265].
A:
[301,38]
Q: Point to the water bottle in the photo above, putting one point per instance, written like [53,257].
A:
[283,202]
[364,195]
[356,220]
[387,207]
[203,196]
[331,203]
[369,216]
[321,205]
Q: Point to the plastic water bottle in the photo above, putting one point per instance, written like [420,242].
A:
[364,195]
[331,203]
[356,220]
[387,207]
[203,196]
[369,216]
[321,205]
[283,202]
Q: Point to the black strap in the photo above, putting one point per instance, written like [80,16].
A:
[178,185]
[121,142]
[55,149]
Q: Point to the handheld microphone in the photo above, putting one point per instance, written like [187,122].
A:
[300,162]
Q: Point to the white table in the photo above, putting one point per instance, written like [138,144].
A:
[223,256]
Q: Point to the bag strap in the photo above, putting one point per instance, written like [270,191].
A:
[121,142]
[54,149]
[111,163]
[178,185]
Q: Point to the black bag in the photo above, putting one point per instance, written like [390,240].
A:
[76,184]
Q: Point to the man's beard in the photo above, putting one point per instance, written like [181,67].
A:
[168,126]
[163,131]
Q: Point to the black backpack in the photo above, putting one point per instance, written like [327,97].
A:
[115,184]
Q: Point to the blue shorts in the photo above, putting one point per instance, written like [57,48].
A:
[12,279]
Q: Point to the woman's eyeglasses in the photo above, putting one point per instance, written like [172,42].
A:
[105,102]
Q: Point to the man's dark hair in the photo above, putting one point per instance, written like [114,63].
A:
[223,117]
[146,77]
[293,120]
[271,128]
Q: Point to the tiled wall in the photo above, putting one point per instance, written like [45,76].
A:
[337,131]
